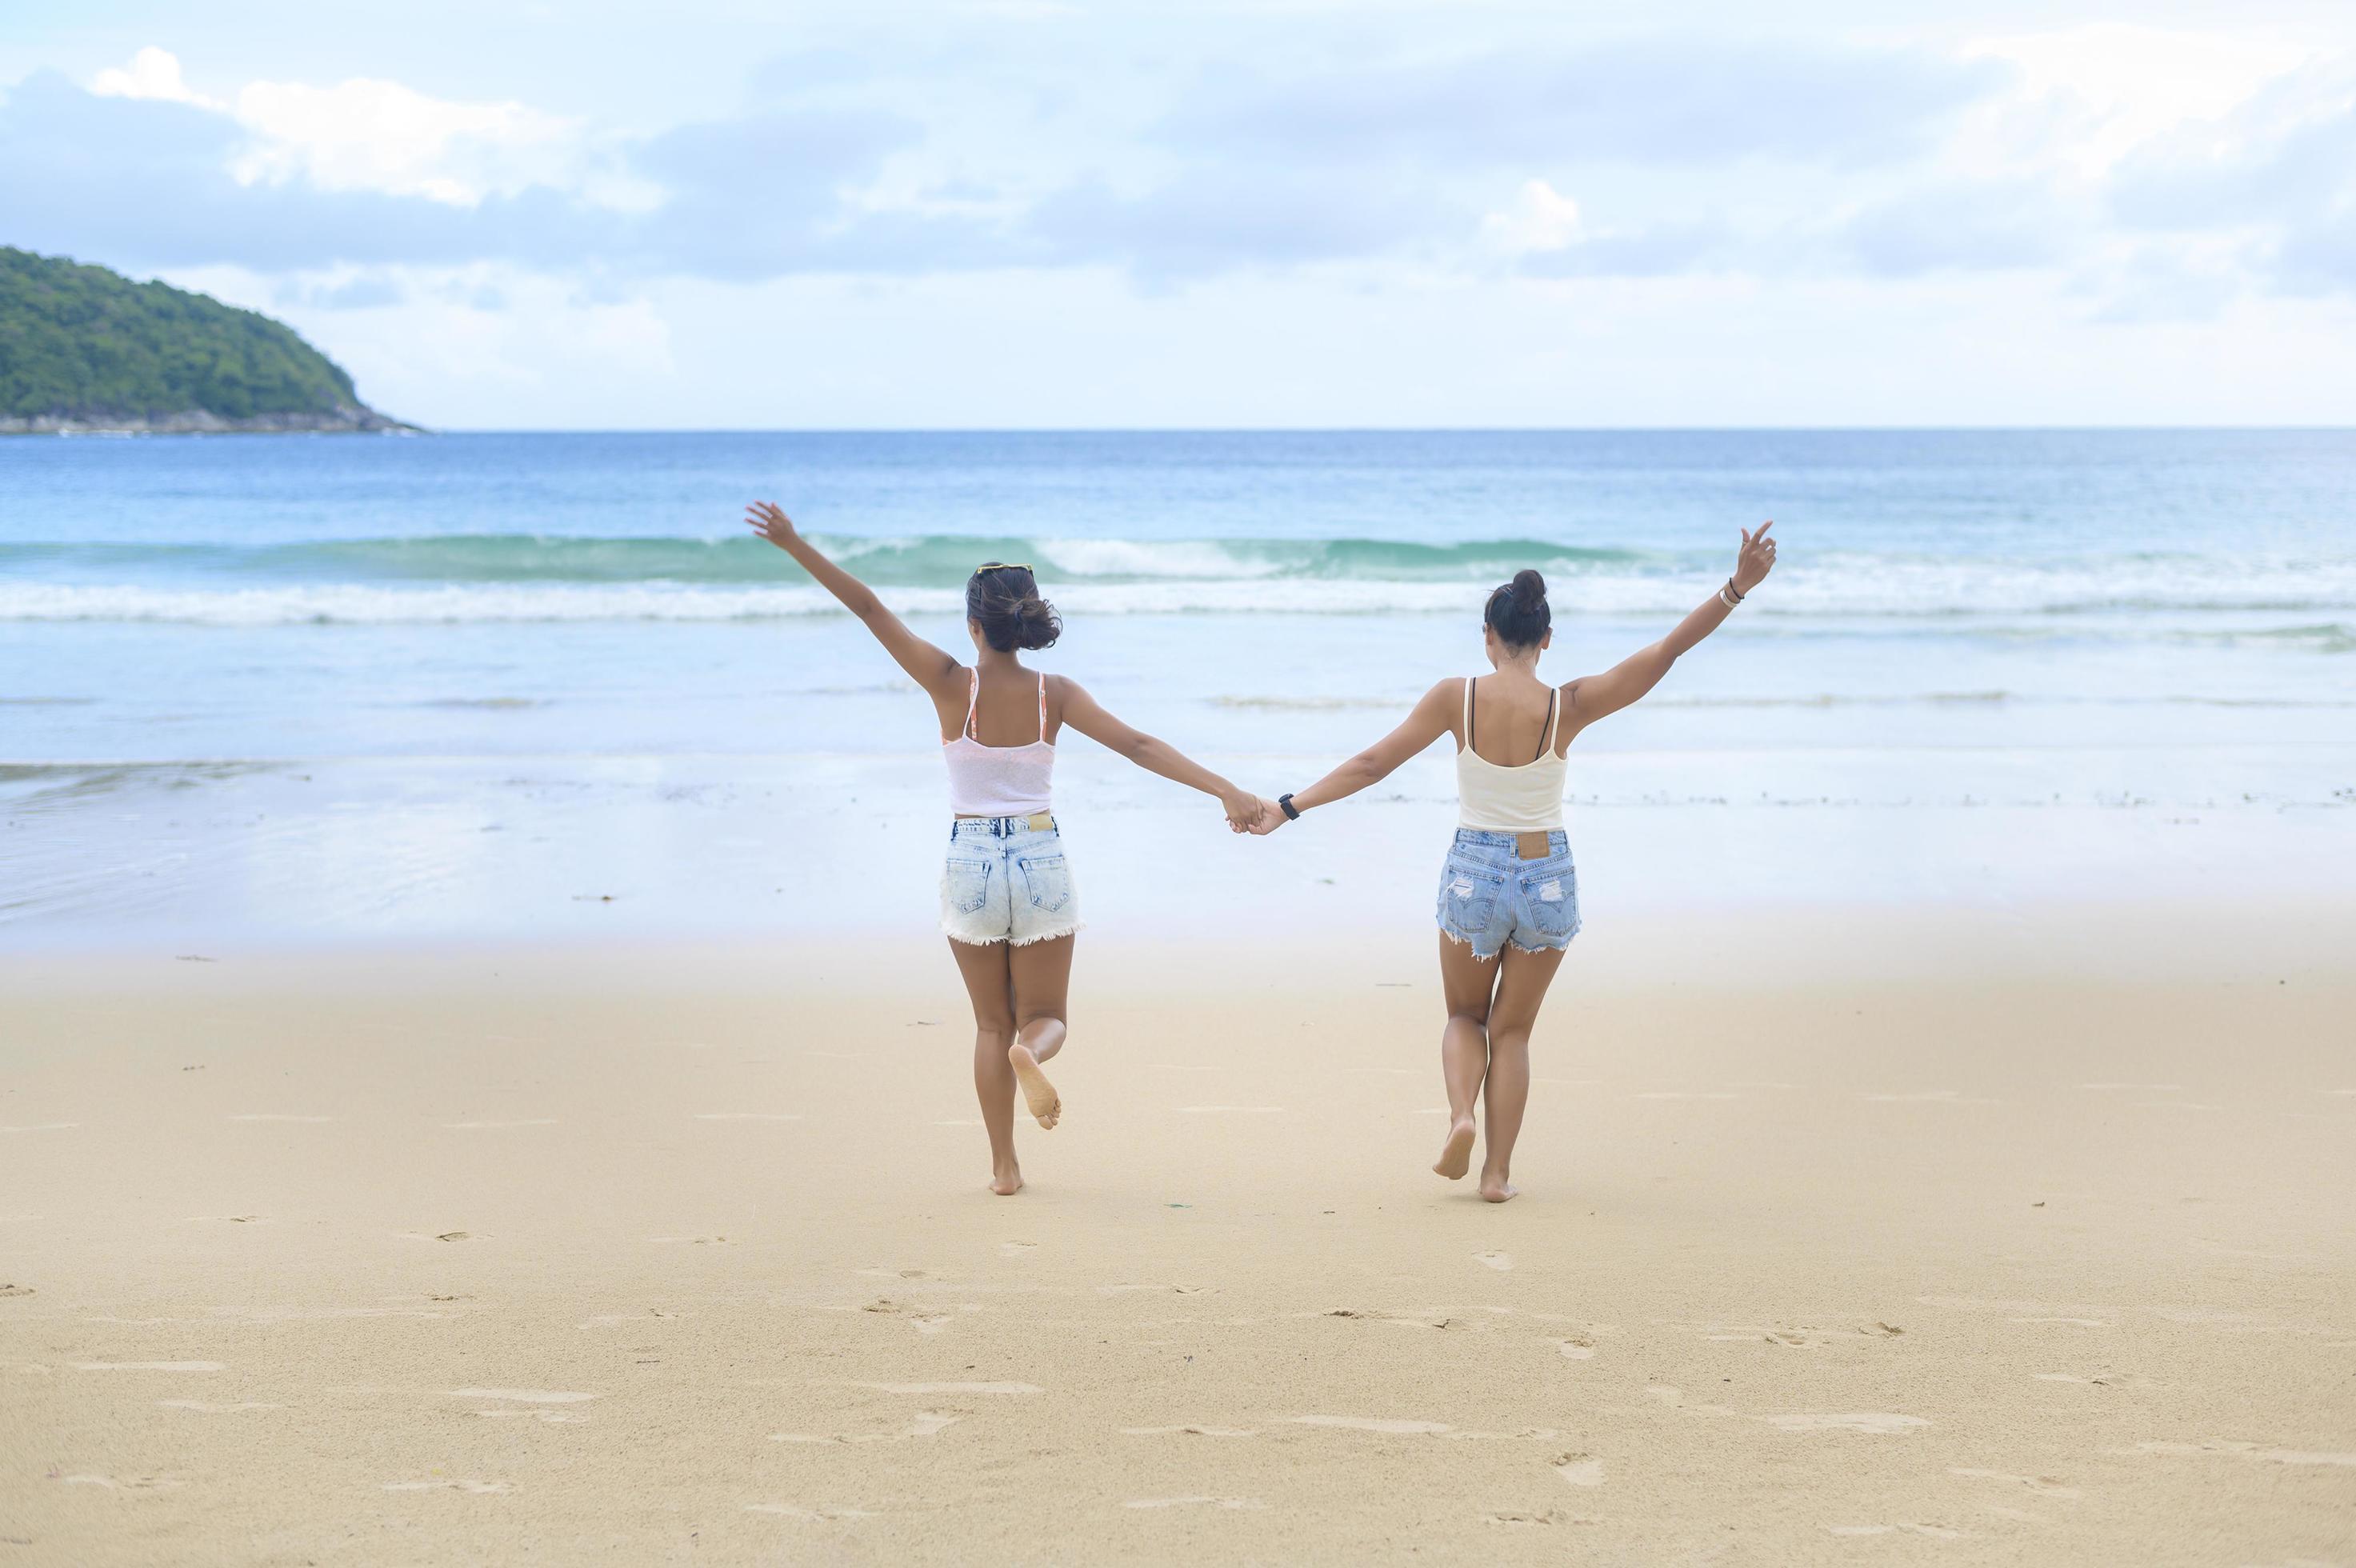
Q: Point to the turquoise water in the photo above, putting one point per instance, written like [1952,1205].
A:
[2139,620]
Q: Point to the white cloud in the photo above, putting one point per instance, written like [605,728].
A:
[152,73]
[1541,219]
[381,136]
[2085,97]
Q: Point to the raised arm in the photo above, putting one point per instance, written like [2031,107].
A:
[1428,722]
[926,665]
[1087,715]
[1592,697]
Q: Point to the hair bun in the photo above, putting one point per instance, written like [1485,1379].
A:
[1040,625]
[1529,590]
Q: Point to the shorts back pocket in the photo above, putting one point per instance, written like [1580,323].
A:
[965,885]
[1047,881]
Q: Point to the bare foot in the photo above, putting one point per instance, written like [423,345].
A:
[1038,1095]
[1006,1180]
[1496,1188]
[1456,1155]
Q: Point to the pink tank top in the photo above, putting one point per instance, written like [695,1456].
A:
[999,780]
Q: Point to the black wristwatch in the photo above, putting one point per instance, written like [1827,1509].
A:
[1284,803]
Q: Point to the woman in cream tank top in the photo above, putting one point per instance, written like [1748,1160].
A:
[1508,900]
[1007,902]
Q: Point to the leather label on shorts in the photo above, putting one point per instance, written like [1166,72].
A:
[1040,821]
[1533,846]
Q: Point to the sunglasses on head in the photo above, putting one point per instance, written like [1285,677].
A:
[1002,566]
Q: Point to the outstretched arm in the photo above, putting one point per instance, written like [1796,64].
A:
[926,665]
[1088,716]
[1598,696]
[1426,724]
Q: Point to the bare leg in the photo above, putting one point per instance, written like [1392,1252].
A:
[1042,976]
[992,988]
[1465,984]
[1521,986]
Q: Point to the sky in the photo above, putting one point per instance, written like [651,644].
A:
[1023,214]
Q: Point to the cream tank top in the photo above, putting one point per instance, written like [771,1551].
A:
[999,780]
[1524,799]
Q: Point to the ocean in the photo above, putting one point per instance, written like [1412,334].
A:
[570,638]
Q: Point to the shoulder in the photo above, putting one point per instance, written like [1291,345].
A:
[1569,690]
[1449,690]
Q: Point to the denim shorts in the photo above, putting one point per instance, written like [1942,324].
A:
[1489,896]
[1006,881]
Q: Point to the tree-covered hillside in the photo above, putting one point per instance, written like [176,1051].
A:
[82,347]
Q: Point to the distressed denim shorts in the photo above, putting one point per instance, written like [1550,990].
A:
[1006,881]
[1489,896]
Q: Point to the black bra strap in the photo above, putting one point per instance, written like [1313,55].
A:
[1547,735]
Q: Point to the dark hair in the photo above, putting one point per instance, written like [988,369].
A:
[1517,610]
[1004,602]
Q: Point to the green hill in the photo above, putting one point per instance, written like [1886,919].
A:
[85,349]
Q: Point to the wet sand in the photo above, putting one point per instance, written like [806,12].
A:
[635,1256]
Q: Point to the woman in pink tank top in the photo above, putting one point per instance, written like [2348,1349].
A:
[1007,905]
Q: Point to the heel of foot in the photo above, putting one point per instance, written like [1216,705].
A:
[1456,1155]
[1039,1096]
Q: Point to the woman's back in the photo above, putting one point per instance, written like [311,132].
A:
[1509,769]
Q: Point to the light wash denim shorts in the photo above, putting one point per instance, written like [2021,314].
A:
[1006,881]
[1490,895]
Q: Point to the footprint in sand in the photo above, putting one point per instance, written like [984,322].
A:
[952,1388]
[808,1516]
[127,1482]
[148,1367]
[1386,1425]
[1580,1469]
[1194,1502]
[2246,1451]
[927,1424]
[208,1409]
[2044,1486]
[1189,1431]
[1016,1249]
[1500,1261]
[1876,1421]
[1576,1349]
[459,1486]
[611,1319]
[1870,1420]
[2071,1322]
[1937,1531]
[552,1417]
[520,1396]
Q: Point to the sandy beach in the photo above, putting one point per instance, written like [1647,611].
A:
[644,1255]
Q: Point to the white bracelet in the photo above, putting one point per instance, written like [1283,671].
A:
[1726,598]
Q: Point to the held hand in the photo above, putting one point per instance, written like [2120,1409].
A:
[1756,559]
[1243,809]
[771,523]
[1271,817]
